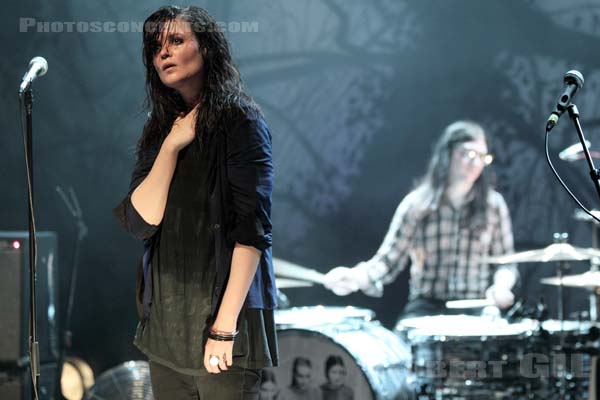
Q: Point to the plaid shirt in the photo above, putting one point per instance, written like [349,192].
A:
[443,249]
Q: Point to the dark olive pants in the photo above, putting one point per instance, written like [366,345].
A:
[234,384]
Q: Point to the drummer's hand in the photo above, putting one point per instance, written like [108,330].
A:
[342,281]
[500,295]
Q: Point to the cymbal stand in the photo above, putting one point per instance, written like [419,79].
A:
[594,172]
[594,296]
[562,268]
[594,263]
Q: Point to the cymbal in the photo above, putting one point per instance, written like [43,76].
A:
[285,283]
[575,152]
[469,303]
[554,252]
[581,215]
[587,280]
[288,269]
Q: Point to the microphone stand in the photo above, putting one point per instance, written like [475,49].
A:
[75,210]
[34,360]
[594,173]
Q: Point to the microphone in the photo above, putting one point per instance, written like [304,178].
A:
[573,81]
[38,66]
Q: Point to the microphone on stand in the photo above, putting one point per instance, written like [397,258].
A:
[38,66]
[573,81]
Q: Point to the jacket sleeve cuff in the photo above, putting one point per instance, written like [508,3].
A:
[132,221]
[249,231]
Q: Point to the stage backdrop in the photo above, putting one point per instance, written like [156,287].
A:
[355,93]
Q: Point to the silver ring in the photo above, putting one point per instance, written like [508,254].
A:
[213,361]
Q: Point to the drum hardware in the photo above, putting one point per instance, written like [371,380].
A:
[561,252]
[520,311]
[516,312]
[589,280]
[562,267]
[594,304]
[594,296]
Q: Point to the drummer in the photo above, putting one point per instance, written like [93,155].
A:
[443,229]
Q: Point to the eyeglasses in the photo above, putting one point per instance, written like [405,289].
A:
[471,155]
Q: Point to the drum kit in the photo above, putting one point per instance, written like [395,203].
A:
[462,356]
[490,357]
[346,353]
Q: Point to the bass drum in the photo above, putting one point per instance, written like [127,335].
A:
[336,352]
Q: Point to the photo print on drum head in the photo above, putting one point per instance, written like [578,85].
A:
[302,385]
[269,389]
[313,367]
[335,387]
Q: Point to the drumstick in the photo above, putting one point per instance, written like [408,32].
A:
[287,269]
[469,303]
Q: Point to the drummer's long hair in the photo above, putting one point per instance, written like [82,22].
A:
[433,185]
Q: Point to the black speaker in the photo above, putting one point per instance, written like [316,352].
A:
[14,291]
[16,384]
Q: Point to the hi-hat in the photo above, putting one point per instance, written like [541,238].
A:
[554,252]
[575,152]
[588,280]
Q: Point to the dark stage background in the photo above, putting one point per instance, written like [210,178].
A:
[355,93]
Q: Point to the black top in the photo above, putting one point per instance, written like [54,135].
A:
[182,273]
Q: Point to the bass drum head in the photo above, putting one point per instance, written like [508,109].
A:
[352,359]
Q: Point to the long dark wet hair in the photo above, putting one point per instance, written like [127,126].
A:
[433,185]
[222,91]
